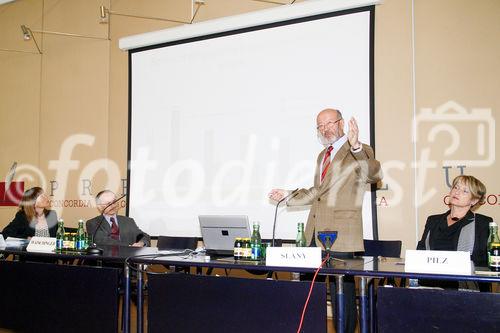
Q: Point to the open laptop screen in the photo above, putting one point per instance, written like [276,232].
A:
[220,231]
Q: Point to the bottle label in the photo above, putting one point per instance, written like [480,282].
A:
[255,252]
[238,252]
[59,244]
[494,261]
[80,245]
[246,253]
[67,244]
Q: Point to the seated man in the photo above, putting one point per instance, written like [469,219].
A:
[113,229]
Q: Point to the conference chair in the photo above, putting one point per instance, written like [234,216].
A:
[381,248]
[171,242]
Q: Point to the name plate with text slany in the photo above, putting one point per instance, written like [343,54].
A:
[42,244]
[441,262]
[309,257]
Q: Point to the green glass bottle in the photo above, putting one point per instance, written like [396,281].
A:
[300,241]
[67,241]
[237,253]
[494,257]
[256,242]
[80,236]
[60,235]
[72,241]
[492,238]
[247,249]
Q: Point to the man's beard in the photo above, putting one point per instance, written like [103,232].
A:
[326,142]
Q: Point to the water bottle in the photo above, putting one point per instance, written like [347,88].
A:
[256,242]
[300,241]
[60,235]
[80,236]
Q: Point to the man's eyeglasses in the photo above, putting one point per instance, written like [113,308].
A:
[327,125]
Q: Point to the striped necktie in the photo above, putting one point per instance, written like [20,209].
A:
[115,231]
[326,163]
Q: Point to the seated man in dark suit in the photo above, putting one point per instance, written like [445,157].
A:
[113,229]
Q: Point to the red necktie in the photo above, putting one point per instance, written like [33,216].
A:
[326,162]
[115,232]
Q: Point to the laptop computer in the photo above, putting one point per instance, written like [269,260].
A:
[220,231]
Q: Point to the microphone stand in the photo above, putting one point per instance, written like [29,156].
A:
[93,249]
[294,192]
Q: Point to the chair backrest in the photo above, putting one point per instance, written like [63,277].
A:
[171,242]
[383,248]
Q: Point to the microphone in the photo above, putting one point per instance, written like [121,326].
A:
[290,195]
[93,249]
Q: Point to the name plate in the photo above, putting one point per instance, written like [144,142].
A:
[308,257]
[441,262]
[41,244]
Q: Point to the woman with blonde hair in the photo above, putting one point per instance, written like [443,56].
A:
[460,228]
[34,217]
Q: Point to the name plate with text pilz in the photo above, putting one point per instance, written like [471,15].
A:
[440,262]
[308,257]
[42,244]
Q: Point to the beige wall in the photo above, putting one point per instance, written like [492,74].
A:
[457,59]
[76,92]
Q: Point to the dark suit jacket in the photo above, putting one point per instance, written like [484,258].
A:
[20,227]
[336,203]
[129,231]
[479,254]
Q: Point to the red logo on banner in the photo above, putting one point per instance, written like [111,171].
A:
[13,195]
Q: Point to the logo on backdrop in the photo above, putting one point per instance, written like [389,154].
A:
[86,195]
[491,199]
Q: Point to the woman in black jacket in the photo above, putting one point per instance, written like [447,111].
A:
[34,218]
[460,228]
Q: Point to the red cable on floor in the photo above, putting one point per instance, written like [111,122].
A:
[310,291]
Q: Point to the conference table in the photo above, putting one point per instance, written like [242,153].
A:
[180,302]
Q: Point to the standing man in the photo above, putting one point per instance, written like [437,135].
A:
[343,171]
[113,229]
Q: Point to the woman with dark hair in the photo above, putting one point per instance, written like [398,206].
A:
[34,217]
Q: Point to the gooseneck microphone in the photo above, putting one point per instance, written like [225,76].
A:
[93,249]
[290,195]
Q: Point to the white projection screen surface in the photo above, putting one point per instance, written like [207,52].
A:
[217,121]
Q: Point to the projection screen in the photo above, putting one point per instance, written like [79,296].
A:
[218,119]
